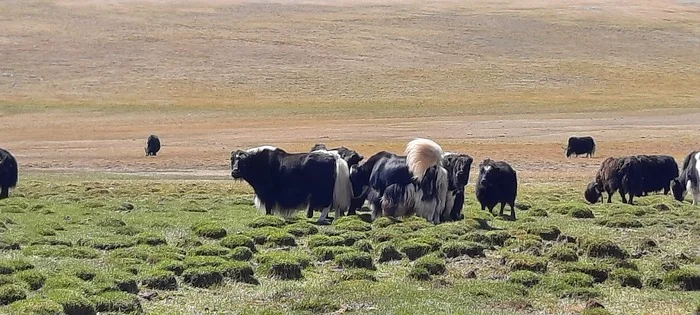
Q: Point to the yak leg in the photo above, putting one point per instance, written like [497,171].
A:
[309,213]
[323,219]
[512,210]
[4,192]
[268,209]
[503,205]
[622,196]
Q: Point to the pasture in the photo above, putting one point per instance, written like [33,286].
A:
[94,224]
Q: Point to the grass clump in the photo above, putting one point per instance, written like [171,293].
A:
[526,262]
[108,243]
[385,235]
[388,252]
[324,240]
[538,212]
[582,213]
[686,279]
[383,222]
[283,269]
[118,302]
[67,282]
[595,311]
[355,259]
[281,239]
[241,253]
[32,277]
[111,222]
[577,279]
[357,275]
[209,230]
[210,250]
[627,277]
[434,242]
[203,261]
[600,248]
[10,293]
[233,241]
[546,232]
[300,229]
[299,257]
[72,302]
[325,253]
[563,253]
[418,273]
[174,266]
[351,223]
[238,271]
[415,223]
[498,238]
[525,277]
[350,237]
[265,221]
[82,272]
[620,221]
[434,264]
[598,271]
[315,305]
[159,279]
[150,238]
[414,250]
[454,249]
[37,306]
[9,266]
[363,246]
[203,277]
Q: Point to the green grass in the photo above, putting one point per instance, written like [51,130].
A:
[334,267]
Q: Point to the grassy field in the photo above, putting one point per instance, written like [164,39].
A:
[66,237]
[94,225]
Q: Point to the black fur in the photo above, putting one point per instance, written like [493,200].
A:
[657,172]
[580,145]
[8,173]
[497,183]
[289,180]
[152,145]
[458,167]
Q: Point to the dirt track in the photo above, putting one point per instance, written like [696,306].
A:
[198,145]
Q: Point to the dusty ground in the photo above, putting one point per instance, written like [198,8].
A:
[83,83]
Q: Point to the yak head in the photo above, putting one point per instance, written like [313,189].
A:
[240,161]
[245,162]
[592,193]
[678,189]
[487,170]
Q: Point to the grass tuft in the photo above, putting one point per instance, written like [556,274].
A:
[203,277]
[159,279]
[454,249]
[355,259]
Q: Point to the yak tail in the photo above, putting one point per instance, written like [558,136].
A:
[421,154]
[342,188]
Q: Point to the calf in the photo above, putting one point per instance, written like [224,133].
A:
[580,145]
[285,182]
[458,167]
[616,174]
[497,183]
[8,173]
[152,145]
[689,178]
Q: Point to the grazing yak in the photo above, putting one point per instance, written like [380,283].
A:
[400,186]
[152,145]
[8,173]
[497,183]
[286,182]
[657,172]
[580,145]
[689,178]
[458,167]
[350,156]
[616,174]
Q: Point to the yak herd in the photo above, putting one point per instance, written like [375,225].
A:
[425,181]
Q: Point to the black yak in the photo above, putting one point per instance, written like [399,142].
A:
[152,145]
[8,173]
[497,183]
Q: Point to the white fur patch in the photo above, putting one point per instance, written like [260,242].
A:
[342,188]
[260,149]
[695,187]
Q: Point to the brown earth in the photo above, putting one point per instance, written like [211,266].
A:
[83,83]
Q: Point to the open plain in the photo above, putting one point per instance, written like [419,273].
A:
[94,225]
